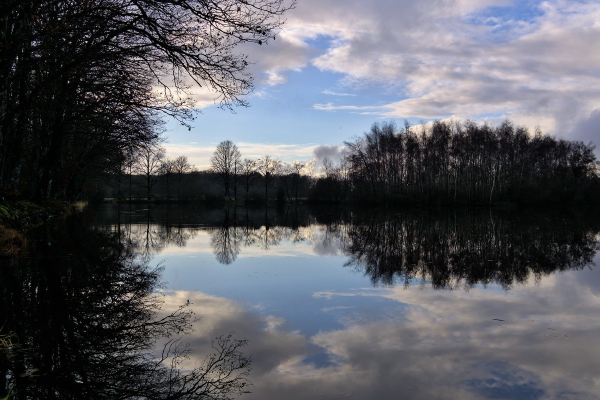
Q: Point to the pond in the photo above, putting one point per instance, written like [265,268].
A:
[329,302]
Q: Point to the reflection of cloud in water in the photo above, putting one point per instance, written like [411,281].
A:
[327,309]
[590,278]
[535,341]
[502,380]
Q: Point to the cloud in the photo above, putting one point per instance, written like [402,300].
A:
[269,62]
[199,155]
[534,62]
[588,129]
[324,151]
[331,93]
[361,109]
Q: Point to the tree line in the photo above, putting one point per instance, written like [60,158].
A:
[464,163]
[151,176]
[444,162]
[83,85]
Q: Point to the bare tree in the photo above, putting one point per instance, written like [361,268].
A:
[224,162]
[182,168]
[269,168]
[299,167]
[148,164]
[79,79]
[167,169]
[247,174]
[286,178]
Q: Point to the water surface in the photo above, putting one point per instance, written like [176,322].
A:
[333,303]
[447,304]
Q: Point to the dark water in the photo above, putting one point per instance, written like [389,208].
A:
[333,303]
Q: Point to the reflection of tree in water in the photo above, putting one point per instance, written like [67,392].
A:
[225,242]
[239,229]
[450,250]
[469,249]
[85,319]
[150,238]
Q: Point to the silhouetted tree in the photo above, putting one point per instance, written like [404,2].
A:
[248,174]
[80,81]
[454,163]
[148,164]
[182,169]
[167,169]
[224,163]
[269,168]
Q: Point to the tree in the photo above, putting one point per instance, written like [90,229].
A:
[79,80]
[247,174]
[167,169]
[182,168]
[148,165]
[452,163]
[298,167]
[224,163]
[286,179]
[269,168]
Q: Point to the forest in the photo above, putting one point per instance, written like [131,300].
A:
[466,163]
[440,163]
[85,86]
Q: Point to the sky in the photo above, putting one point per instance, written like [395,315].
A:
[338,66]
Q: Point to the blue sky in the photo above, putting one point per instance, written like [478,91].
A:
[338,66]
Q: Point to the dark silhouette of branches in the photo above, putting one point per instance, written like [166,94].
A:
[454,163]
[87,320]
[225,164]
[83,83]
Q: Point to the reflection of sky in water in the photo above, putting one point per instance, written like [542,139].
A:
[317,329]
[277,284]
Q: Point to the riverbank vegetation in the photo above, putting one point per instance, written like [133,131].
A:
[441,163]
[84,85]
[466,163]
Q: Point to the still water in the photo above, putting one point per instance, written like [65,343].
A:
[333,303]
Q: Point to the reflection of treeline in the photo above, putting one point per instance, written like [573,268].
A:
[449,249]
[85,318]
[466,249]
[198,215]
[149,230]
[454,163]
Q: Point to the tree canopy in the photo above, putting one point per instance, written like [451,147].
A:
[81,83]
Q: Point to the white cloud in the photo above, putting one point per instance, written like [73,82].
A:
[332,93]
[331,107]
[452,57]
[199,155]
